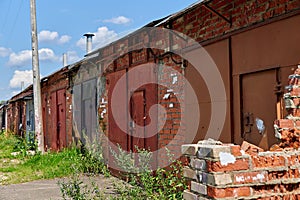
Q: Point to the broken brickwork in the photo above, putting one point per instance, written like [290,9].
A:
[228,171]
[225,171]
[288,129]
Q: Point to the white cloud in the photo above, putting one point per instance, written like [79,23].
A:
[102,37]
[19,59]
[118,20]
[4,52]
[19,77]
[72,57]
[64,39]
[46,54]
[45,36]
[24,57]
[52,36]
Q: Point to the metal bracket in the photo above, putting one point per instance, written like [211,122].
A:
[229,21]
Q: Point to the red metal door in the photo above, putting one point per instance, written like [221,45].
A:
[57,126]
[61,118]
[53,123]
[142,86]
[138,93]
[45,125]
[259,107]
[137,113]
[116,135]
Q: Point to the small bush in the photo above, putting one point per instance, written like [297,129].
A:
[161,184]
[92,157]
[75,189]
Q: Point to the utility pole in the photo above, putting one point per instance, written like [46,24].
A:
[38,117]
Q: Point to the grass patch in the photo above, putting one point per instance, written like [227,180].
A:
[8,144]
[23,168]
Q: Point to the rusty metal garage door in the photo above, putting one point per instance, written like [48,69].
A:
[136,113]
[259,107]
[57,128]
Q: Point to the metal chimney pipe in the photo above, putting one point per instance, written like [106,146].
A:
[89,37]
[65,61]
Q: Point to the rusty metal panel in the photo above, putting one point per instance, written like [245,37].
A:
[88,109]
[53,122]
[270,45]
[61,118]
[137,113]
[219,53]
[77,111]
[115,134]
[137,99]
[259,107]
[264,48]
[47,135]
[144,97]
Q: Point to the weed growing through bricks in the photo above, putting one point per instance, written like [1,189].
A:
[92,157]
[75,189]
[91,163]
[146,184]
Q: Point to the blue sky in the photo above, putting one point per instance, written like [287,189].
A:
[61,25]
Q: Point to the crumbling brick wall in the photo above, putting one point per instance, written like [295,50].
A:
[16,112]
[288,129]
[224,171]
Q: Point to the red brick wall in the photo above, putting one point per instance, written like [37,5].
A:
[13,112]
[15,120]
[225,171]
[170,92]
[201,24]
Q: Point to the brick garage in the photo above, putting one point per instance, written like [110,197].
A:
[57,110]
[236,34]
[16,112]
[245,40]
[224,171]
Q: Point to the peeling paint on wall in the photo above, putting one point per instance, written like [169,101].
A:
[226,158]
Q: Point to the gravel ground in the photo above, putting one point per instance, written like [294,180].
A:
[49,189]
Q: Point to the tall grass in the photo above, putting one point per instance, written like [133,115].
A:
[24,167]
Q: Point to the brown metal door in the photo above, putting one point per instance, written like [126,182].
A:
[259,107]
[137,112]
[57,126]
[143,90]
[53,123]
[116,135]
[61,118]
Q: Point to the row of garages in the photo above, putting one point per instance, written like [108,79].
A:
[254,45]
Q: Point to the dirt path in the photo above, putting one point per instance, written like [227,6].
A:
[49,189]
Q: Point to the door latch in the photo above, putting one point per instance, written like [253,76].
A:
[248,122]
